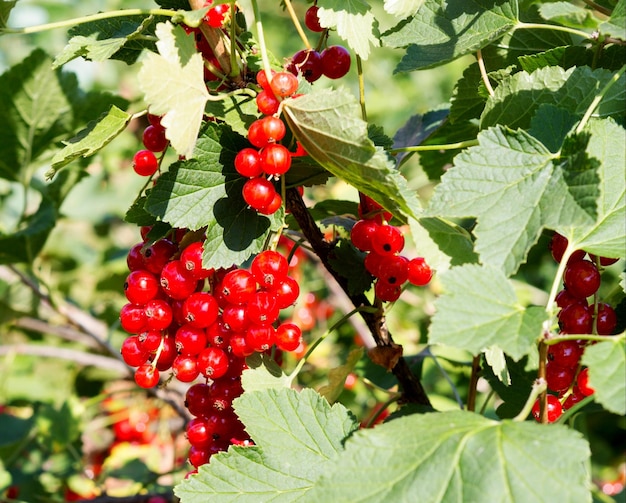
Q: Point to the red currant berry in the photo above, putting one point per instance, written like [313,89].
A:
[198,400]
[558,244]
[284,84]
[140,287]
[576,319]
[582,381]
[236,318]
[362,234]
[370,209]
[555,410]
[215,16]
[267,103]
[386,292]
[387,240]
[218,335]
[262,308]
[191,258]
[133,318]
[200,309]
[198,432]
[559,378]
[604,261]
[176,281]
[150,340]
[213,362]
[238,286]
[240,347]
[185,368]
[134,259]
[312,20]
[275,159]
[565,354]
[420,272]
[159,314]
[269,268]
[132,352]
[190,341]
[373,262]
[288,336]
[145,163]
[267,130]
[146,376]
[258,193]
[307,63]
[286,292]
[273,207]
[581,278]
[335,61]
[247,163]
[199,456]
[564,299]
[606,320]
[154,138]
[158,254]
[167,355]
[261,337]
[394,270]
[261,79]
[575,397]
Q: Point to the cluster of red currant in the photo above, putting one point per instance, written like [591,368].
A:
[564,375]
[145,162]
[383,243]
[270,159]
[333,62]
[202,323]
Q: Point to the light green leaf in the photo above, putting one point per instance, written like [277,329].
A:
[5,9]
[517,98]
[510,181]
[607,372]
[353,20]
[114,38]
[205,191]
[568,14]
[479,310]
[173,84]
[329,126]
[238,111]
[458,456]
[443,31]
[402,8]
[337,376]
[496,359]
[606,235]
[263,373]
[296,436]
[90,140]
[615,26]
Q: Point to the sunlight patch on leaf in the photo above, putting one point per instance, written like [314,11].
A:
[607,372]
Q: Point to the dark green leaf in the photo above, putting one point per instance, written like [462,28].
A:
[347,261]
[417,130]
[441,32]
[615,26]
[137,213]
[515,394]
[238,111]
[467,103]
[458,456]
[378,136]
[550,125]
[5,9]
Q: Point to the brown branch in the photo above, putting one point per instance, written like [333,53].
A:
[63,331]
[386,351]
[471,399]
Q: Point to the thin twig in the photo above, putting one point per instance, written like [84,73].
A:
[471,397]
[483,72]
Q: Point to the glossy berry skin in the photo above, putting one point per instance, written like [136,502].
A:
[185,368]
[565,354]
[582,381]
[273,207]
[236,318]
[362,234]
[275,159]
[373,262]
[248,164]
[146,376]
[581,278]
[558,244]
[238,286]
[307,63]
[258,193]
[267,103]
[576,319]
[286,292]
[555,410]
[158,254]
[261,79]
[197,399]
[176,282]
[132,352]
[335,61]
[145,163]
[288,336]
[269,268]
[168,354]
[419,272]
[159,314]
[284,84]
[261,337]
[262,308]
[387,240]
[200,309]
[190,341]
[312,20]
[213,362]
[606,320]
[394,270]
[267,130]
[215,16]
[191,259]
[386,292]
[559,378]
[133,318]
[154,138]
[140,287]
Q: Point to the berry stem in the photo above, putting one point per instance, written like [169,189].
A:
[359,68]
[267,68]
[539,388]
[447,146]
[541,26]
[575,408]
[124,13]
[234,64]
[296,23]
[483,71]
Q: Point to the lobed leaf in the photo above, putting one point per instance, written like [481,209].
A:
[443,31]
[458,456]
[354,22]
[329,127]
[512,183]
[296,436]
[173,84]
[607,372]
[479,310]
[263,373]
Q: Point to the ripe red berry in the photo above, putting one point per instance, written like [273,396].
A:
[307,63]
[140,287]
[565,354]
[132,318]
[200,309]
[267,103]
[288,336]
[387,240]
[168,354]
[150,340]
[258,193]
[191,258]
[185,368]
[213,362]
[261,337]
[559,378]
[247,163]
[582,381]
[261,79]
[394,270]
[262,308]
[238,286]
[267,130]
[362,234]
[420,272]
[190,341]
[275,159]
[335,61]
[273,207]
[145,163]
[215,16]
[236,318]
[240,347]
[198,400]
[154,138]
[581,278]
[132,352]
[176,281]
[312,20]
[159,314]
[146,376]
[555,410]
[373,262]
[576,319]
[286,292]
[558,244]
[269,268]
[386,292]
[606,319]
[158,254]
[604,261]
[284,84]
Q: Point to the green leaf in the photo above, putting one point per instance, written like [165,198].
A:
[263,373]
[347,261]
[458,456]
[441,32]
[606,235]
[173,84]
[479,310]
[607,372]
[337,376]
[551,125]
[611,58]
[467,103]
[206,191]
[296,436]
[238,111]
[328,124]
[417,130]
[516,99]
[515,394]
[354,22]
[90,140]
[507,166]
[402,8]
[568,14]
[121,38]
[615,26]
[5,10]
[137,213]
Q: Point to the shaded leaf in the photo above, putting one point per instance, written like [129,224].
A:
[615,26]
[417,129]
[433,457]
[550,125]
[568,14]
[347,261]
[441,32]
[238,111]
[467,103]
[337,376]
[5,10]
[607,373]
[479,310]
[515,394]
